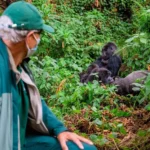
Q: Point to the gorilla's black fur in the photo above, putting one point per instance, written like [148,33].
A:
[124,85]
[103,75]
[95,73]
[84,75]
[107,60]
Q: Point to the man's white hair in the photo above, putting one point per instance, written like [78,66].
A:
[9,33]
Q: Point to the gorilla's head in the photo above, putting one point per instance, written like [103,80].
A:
[108,50]
[105,76]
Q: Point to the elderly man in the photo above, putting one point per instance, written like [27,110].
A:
[26,123]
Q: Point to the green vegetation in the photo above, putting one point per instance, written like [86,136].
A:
[81,29]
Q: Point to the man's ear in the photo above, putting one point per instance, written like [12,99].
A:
[29,36]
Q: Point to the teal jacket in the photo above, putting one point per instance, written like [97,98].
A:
[15,116]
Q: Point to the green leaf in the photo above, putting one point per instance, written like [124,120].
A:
[147,107]
[103,141]
[113,135]
[93,137]
[120,113]
[141,133]
[143,40]
[98,122]
[147,86]
[94,109]
[136,89]
[122,130]
[120,125]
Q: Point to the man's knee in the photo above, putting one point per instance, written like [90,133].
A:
[89,147]
[73,146]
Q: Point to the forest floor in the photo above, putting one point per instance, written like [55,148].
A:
[135,137]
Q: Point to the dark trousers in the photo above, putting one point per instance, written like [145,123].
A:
[40,142]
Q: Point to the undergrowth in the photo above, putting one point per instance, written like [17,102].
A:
[95,110]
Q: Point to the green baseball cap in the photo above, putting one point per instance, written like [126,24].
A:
[25,16]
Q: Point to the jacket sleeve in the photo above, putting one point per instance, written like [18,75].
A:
[50,120]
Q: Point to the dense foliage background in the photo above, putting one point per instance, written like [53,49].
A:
[81,30]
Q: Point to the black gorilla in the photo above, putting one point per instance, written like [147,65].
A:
[124,85]
[84,75]
[103,75]
[108,60]
[95,73]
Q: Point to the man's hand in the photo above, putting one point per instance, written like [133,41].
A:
[69,136]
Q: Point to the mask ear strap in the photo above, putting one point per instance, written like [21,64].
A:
[35,37]
[28,49]
[37,40]
[27,46]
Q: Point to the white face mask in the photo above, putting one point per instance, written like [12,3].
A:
[32,50]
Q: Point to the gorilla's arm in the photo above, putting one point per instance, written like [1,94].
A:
[114,64]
